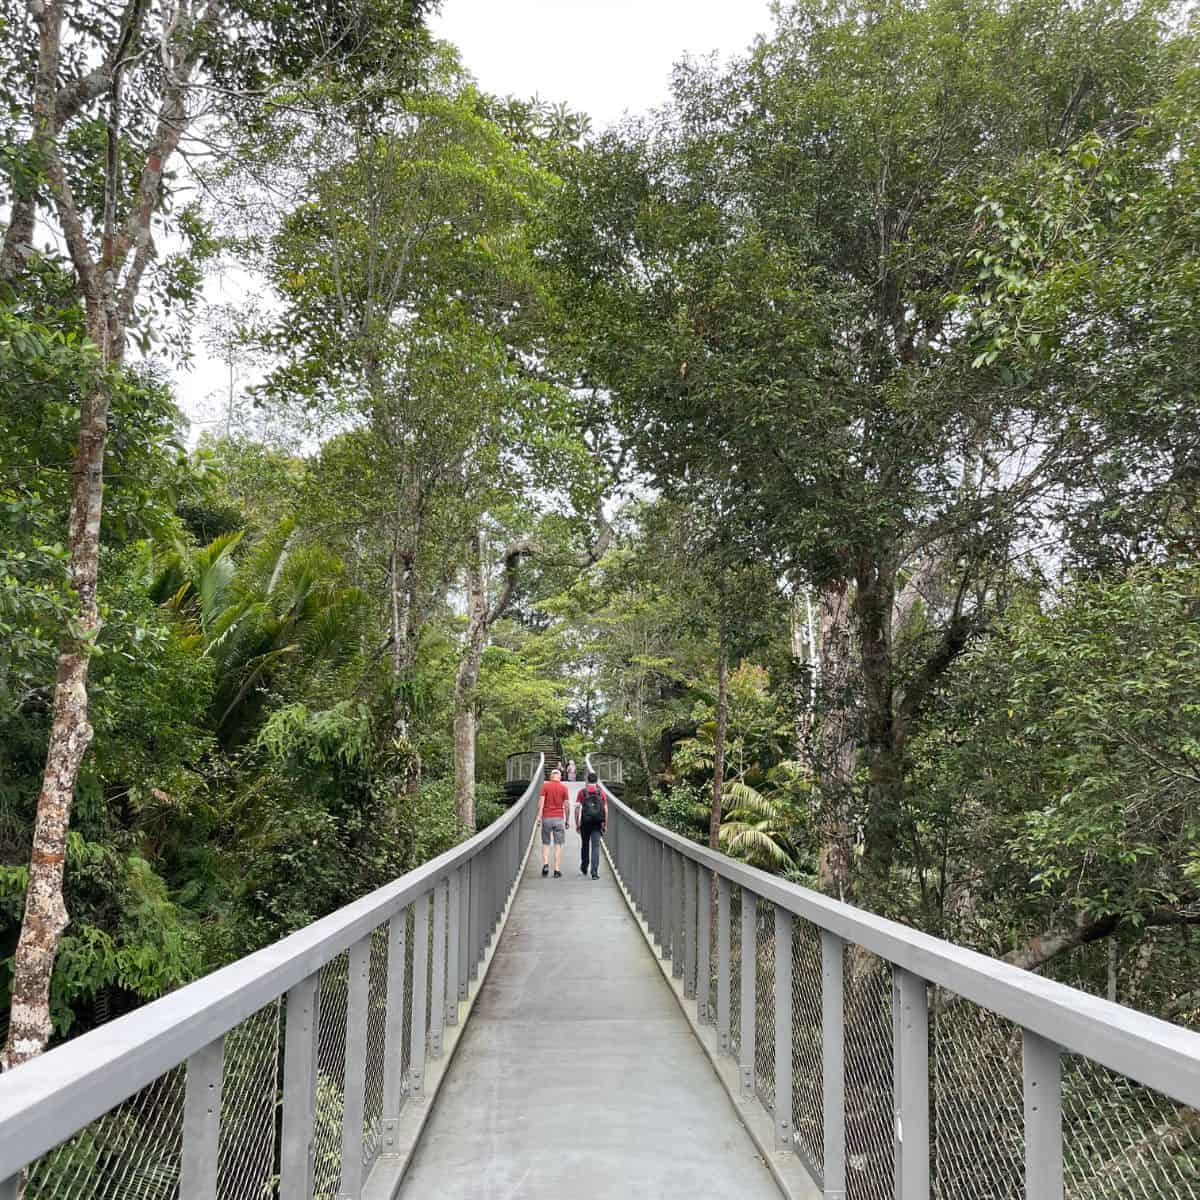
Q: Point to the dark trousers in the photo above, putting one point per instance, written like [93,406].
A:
[589,833]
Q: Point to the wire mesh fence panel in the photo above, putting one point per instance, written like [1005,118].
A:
[977,1115]
[735,971]
[376,1043]
[429,964]
[1124,1140]
[764,1004]
[713,933]
[807,1104]
[870,1154]
[249,1086]
[331,1078]
[131,1153]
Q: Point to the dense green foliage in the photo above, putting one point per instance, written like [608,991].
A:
[877,349]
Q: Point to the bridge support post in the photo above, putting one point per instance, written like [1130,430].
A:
[1043,1118]
[453,928]
[704,914]
[833,1063]
[688,878]
[201,1123]
[355,1069]
[416,1068]
[724,964]
[749,952]
[303,1016]
[910,1041]
[783,1030]
[393,1030]
[437,1005]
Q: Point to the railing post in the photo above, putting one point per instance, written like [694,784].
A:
[833,1063]
[416,1066]
[783,1029]
[453,928]
[910,1026]
[464,929]
[201,1123]
[393,1031]
[678,945]
[689,928]
[749,969]
[724,964]
[1043,1118]
[355,1069]
[704,912]
[437,1007]
[10,1188]
[478,882]
[303,1017]
[664,900]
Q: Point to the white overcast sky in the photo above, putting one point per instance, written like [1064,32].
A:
[601,57]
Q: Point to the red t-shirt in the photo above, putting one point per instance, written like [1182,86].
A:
[554,798]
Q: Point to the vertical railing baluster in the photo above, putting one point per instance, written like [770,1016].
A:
[783,1029]
[355,1069]
[416,1068]
[303,1017]
[1042,1065]
[393,1031]
[453,928]
[202,1123]
[749,950]
[678,945]
[833,1063]
[724,964]
[464,929]
[689,929]
[437,1005]
[478,882]
[704,915]
[911,1074]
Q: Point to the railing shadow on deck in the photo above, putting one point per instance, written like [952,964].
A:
[293,1072]
[891,1064]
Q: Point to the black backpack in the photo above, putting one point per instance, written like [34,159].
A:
[593,805]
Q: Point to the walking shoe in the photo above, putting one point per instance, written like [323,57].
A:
[557,874]
[594,876]
[545,868]
[582,869]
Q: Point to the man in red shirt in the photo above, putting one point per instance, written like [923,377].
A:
[552,814]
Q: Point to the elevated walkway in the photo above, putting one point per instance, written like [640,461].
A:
[576,1076]
[693,1027]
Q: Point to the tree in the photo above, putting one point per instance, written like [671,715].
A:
[134,88]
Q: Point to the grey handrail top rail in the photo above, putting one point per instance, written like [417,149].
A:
[47,1100]
[1153,1052]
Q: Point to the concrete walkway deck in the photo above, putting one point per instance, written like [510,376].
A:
[577,1076]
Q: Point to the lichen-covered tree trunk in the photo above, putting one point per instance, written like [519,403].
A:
[45,915]
[835,757]
[718,784]
[465,683]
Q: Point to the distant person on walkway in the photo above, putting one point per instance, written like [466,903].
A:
[552,813]
[571,771]
[591,820]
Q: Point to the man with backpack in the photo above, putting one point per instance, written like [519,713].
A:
[591,820]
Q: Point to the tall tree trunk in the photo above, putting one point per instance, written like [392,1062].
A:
[718,783]
[402,585]
[837,740]
[465,682]
[874,601]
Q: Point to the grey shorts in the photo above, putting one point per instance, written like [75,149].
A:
[554,828]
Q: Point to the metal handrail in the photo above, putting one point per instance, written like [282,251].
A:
[47,1100]
[1054,1018]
